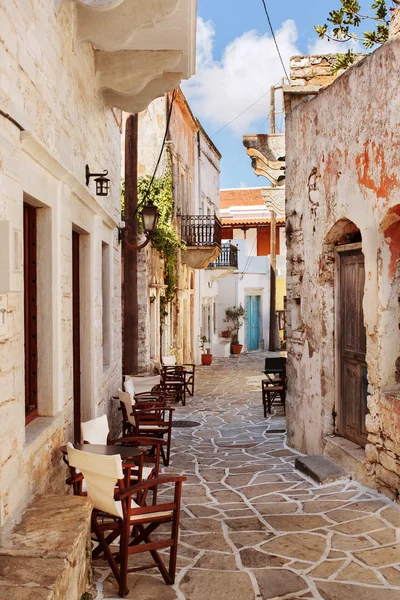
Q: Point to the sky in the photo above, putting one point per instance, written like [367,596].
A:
[237,63]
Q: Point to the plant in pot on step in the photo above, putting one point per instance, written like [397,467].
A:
[206,356]
[235,317]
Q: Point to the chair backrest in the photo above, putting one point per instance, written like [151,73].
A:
[129,402]
[169,361]
[101,474]
[129,386]
[137,385]
[273,363]
[95,431]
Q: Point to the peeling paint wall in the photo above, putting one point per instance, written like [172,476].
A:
[343,162]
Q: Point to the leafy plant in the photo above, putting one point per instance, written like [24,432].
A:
[204,341]
[349,17]
[235,317]
[165,238]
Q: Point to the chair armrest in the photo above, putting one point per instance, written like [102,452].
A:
[142,441]
[144,485]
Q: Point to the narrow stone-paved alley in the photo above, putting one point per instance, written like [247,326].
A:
[253,527]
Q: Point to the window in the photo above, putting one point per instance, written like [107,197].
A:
[105,285]
[30,316]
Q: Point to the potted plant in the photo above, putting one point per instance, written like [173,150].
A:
[235,317]
[206,356]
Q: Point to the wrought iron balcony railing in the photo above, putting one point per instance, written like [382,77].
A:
[200,231]
[228,259]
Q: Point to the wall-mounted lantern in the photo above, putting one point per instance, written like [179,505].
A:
[150,216]
[102,182]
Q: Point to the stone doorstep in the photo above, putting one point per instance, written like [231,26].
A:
[320,469]
[48,551]
[351,458]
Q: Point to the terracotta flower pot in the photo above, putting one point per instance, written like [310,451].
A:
[236,348]
[225,334]
[206,359]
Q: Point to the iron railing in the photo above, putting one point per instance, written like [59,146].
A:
[227,259]
[201,230]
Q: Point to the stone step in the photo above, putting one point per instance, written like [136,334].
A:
[320,469]
[46,556]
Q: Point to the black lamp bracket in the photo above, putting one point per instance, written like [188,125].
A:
[121,237]
[89,174]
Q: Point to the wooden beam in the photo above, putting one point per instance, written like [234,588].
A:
[272,111]
[130,299]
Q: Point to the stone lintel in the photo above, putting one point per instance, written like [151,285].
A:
[320,469]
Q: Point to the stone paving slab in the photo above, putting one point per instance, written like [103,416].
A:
[253,528]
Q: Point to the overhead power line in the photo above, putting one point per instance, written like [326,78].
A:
[242,113]
[274,38]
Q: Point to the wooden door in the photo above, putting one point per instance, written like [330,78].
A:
[253,323]
[30,322]
[352,348]
[76,335]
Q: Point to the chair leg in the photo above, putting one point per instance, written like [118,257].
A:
[124,554]
[168,448]
[107,552]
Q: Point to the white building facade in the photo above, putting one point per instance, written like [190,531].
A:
[64,82]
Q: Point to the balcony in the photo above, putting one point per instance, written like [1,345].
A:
[202,236]
[228,259]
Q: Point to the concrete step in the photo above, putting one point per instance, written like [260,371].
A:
[320,469]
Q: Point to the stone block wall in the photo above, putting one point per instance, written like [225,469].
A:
[314,70]
[47,86]
[342,167]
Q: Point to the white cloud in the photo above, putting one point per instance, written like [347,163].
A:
[249,66]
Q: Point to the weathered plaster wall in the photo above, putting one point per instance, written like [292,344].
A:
[343,162]
[48,86]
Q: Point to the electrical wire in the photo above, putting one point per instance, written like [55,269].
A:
[146,195]
[274,38]
[238,116]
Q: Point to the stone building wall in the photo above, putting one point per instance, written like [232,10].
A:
[342,173]
[48,87]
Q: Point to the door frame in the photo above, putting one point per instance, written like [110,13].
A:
[76,335]
[336,332]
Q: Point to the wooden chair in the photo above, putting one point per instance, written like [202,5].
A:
[189,368]
[153,421]
[97,431]
[116,515]
[274,386]
[270,393]
[150,395]
[173,383]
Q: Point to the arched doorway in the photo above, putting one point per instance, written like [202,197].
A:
[350,334]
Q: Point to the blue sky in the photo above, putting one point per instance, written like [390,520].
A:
[237,63]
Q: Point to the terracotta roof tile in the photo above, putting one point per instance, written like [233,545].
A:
[252,221]
[242,197]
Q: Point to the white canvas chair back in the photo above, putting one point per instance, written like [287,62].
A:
[95,431]
[129,403]
[169,361]
[129,386]
[101,474]
[140,384]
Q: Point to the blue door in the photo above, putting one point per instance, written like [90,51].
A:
[253,322]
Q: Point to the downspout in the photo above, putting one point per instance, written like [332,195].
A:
[200,308]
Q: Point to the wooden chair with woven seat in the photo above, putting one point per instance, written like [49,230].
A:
[116,515]
[153,421]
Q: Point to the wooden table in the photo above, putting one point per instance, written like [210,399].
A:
[125,452]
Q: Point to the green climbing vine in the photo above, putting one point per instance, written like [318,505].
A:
[165,238]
